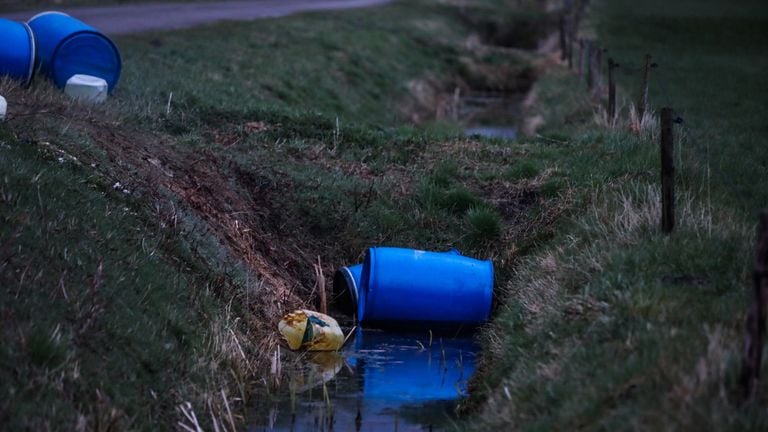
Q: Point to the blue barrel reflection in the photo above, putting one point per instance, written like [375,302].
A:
[391,381]
[405,369]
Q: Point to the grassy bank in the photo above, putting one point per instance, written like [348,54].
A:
[614,325]
[103,318]
[149,245]
[405,63]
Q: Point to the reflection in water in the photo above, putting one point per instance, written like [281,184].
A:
[321,368]
[380,380]
[491,114]
[492,132]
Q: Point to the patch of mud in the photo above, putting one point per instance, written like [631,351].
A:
[685,280]
[203,183]
[488,89]
[428,100]
[512,201]
[489,97]
[521,31]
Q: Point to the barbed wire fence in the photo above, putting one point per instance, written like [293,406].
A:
[589,63]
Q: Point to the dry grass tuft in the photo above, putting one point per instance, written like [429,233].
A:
[540,291]
[706,385]
[647,126]
[601,119]
[625,213]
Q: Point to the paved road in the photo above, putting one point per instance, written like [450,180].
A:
[136,18]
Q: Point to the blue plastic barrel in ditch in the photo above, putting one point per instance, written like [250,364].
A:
[67,47]
[346,285]
[401,286]
[17,51]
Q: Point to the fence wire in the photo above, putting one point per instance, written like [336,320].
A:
[689,147]
[697,149]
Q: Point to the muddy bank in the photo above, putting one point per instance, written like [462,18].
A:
[490,90]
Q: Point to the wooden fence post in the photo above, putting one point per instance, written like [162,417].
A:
[753,346]
[611,90]
[667,172]
[590,60]
[571,36]
[599,70]
[642,106]
[563,47]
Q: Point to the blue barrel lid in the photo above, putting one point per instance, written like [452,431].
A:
[86,53]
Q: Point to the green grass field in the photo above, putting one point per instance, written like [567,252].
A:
[614,326]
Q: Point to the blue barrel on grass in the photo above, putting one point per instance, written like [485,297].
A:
[17,51]
[403,286]
[67,47]
[346,285]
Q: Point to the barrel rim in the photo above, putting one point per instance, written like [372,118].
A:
[101,36]
[489,291]
[32,54]
[365,281]
[351,284]
[42,14]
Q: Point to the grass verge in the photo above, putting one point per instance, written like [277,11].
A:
[614,325]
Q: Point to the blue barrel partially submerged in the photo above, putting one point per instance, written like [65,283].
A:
[17,51]
[402,286]
[68,47]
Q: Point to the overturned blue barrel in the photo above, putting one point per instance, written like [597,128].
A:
[403,286]
[17,51]
[346,285]
[68,47]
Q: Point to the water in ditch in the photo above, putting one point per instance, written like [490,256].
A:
[387,381]
[380,381]
[491,114]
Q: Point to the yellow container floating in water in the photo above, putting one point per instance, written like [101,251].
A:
[311,331]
